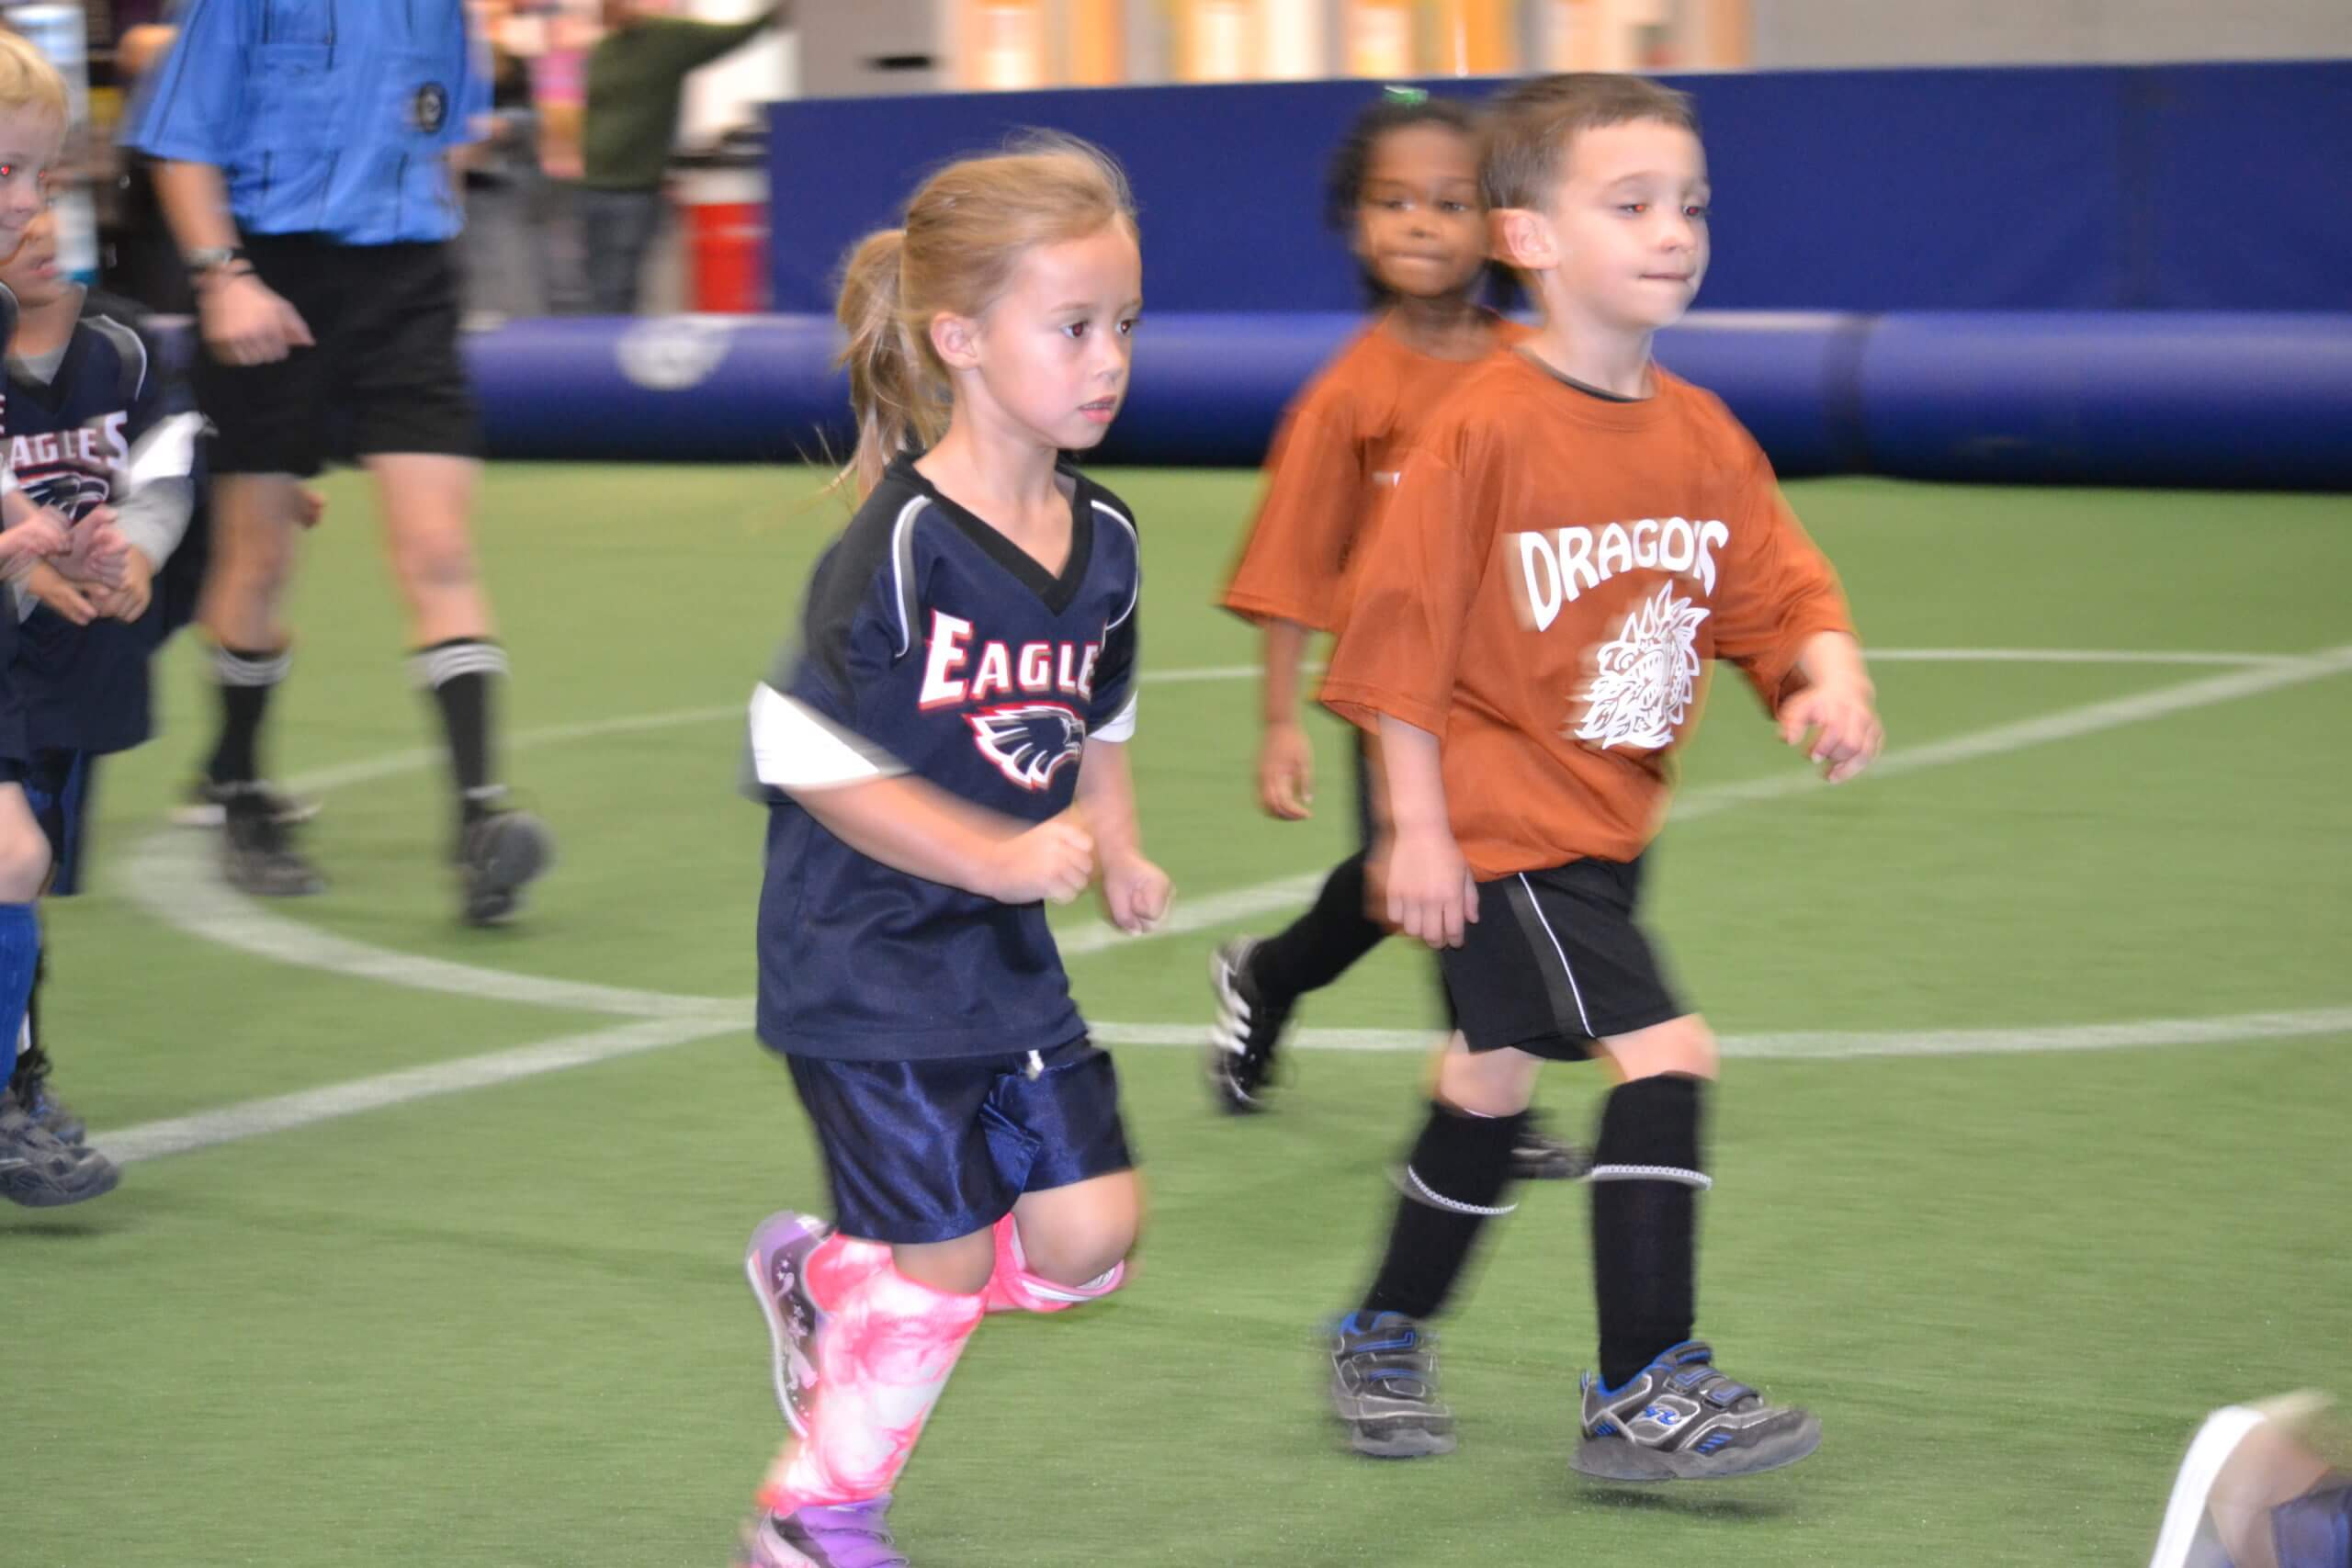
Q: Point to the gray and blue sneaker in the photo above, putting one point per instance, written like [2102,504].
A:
[40,1171]
[1384,1387]
[1680,1419]
[776,1262]
[29,1087]
[846,1535]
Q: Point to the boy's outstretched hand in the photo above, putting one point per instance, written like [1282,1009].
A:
[1837,725]
[1432,894]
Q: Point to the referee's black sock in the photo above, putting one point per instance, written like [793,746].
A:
[1317,948]
[459,673]
[246,678]
[1452,1185]
[1645,1184]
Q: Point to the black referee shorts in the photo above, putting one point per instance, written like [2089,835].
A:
[386,375]
[1555,963]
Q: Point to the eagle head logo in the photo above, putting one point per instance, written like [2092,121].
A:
[69,492]
[1028,742]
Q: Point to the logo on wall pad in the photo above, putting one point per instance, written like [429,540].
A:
[669,354]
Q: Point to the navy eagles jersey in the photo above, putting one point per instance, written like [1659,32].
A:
[111,420]
[932,645]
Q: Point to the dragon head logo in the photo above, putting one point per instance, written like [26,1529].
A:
[1643,680]
[1028,742]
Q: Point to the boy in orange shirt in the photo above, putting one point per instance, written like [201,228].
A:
[1404,187]
[1574,534]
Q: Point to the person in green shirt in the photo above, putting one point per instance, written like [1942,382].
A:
[636,75]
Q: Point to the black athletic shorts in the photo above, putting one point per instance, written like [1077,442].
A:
[1554,962]
[386,375]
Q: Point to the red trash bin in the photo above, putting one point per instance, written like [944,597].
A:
[727,239]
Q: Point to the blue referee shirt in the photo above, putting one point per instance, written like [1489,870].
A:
[329,116]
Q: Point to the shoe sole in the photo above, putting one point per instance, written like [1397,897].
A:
[788,1368]
[30,1192]
[1405,1442]
[1400,1435]
[1560,1162]
[206,814]
[1231,1097]
[309,887]
[1621,1458]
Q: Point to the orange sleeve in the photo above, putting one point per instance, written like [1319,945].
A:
[1315,495]
[1779,589]
[1411,592]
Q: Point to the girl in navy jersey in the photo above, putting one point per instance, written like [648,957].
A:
[944,751]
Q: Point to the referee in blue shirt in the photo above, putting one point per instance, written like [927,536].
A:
[304,151]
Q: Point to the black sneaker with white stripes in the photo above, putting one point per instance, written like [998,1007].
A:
[1539,1157]
[1248,1026]
[257,853]
[206,804]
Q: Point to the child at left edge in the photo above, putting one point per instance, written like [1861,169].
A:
[32,136]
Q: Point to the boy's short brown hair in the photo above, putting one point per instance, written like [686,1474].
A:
[1531,128]
[27,78]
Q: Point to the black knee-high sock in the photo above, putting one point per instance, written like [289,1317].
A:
[1452,1184]
[32,1062]
[459,673]
[1647,1177]
[246,678]
[1317,948]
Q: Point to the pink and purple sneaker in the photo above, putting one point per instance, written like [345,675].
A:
[845,1535]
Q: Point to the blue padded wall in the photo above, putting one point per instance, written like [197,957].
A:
[2083,397]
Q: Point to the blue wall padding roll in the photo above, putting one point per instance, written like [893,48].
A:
[674,389]
[2156,399]
[2235,400]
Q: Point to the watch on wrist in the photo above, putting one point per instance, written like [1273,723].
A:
[212,258]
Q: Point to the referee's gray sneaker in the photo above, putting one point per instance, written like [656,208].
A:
[501,853]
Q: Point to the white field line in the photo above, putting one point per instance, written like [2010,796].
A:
[1840,1046]
[280,1113]
[167,872]
[165,876]
[2067,724]
[285,1112]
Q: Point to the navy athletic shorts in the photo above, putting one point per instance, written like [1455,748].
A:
[921,1151]
[57,788]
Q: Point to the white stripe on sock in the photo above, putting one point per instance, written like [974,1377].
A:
[236,670]
[1651,1173]
[437,666]
[1436,1199]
